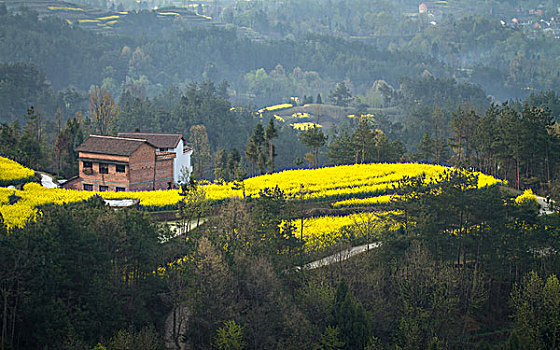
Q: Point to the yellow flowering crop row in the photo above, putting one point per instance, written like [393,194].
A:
[301,115]
[279,118]
[363,201]
[305,126]
[168,13]
[106,18]
[10,170]
[322,232]
[275,107]
[64,8]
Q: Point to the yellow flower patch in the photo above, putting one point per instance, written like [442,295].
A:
[64,8]
[275,107]
[322,232]
[10,170]
[305,126]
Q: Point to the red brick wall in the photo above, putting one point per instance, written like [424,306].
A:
[142,168]
[97,179]
[164,174]
[73,184]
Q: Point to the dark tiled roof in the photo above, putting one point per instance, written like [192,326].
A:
[118,146]
[160,140]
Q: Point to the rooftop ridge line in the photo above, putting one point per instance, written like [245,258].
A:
[118,138]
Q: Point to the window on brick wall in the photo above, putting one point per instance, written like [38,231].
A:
[103,188]
[88,187]
[120,189]
[103,168]
[120,168]
[88,165]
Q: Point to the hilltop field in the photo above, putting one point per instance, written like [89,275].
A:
[322,115]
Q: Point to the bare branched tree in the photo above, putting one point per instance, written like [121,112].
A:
[102,109]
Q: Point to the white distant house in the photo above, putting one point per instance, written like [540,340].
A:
[169,142]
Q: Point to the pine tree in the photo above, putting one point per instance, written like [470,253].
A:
[314,138]
[252,154]
[341,96]
[271,133]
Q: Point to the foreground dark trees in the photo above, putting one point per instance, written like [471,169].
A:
[466,263]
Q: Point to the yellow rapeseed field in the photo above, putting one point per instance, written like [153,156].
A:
[337,182]
[10,170]
[107,18]
[353,202]
[322,232]
[275,108]
[64,8]
[305,126]
[300,115]
[345,183]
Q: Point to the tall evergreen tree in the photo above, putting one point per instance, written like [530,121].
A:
[341,96]
[269,135]
[314,138]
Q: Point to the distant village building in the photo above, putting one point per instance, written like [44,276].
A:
[109,163]
[432,7]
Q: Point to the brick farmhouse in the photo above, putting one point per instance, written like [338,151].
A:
[141,162]
[168,142]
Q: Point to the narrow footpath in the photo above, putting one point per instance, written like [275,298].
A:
[339,256]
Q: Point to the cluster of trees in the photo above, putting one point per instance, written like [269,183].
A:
[203,113]
[502,59]
[466,263]
[79,275]
[258,70]
[468,36]
[520,146]
[364,145]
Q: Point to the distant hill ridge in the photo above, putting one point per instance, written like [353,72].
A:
[103,20]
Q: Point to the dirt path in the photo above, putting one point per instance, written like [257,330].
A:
[339,256]
[47,181]
[177,229]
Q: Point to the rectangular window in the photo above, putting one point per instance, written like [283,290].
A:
[88,165]
[120,168]
[103,168]
[88,187]
[103,188]
[120,189]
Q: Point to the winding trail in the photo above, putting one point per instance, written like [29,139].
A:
[339,256]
